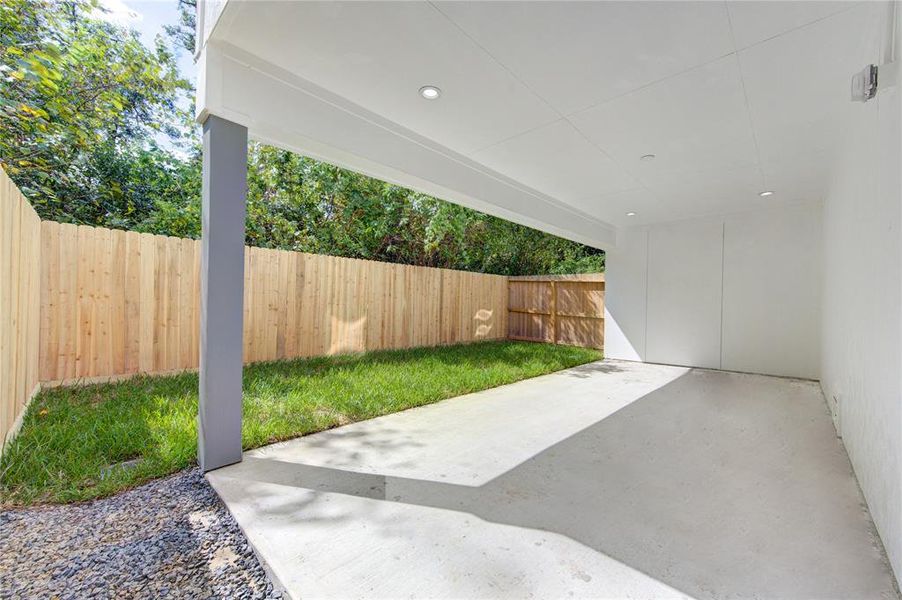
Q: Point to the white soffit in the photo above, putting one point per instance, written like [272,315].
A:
[558,100]
[579,54]
[698,119]
[379,54]
[566,165]
[798,83]
[756,21]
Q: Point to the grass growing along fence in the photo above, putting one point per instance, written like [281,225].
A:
[89,302]
[94,440]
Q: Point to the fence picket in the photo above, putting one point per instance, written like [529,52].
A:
[137,298]
[563,309]
[84,302]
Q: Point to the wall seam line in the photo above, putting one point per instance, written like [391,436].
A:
[723,252]
[645,310]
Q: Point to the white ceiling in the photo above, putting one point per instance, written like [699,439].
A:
[733,98]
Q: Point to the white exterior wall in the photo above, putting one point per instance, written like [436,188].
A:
[771,292]
[626,289]
[806,292]
[685,262]
[740,292]
[862,317]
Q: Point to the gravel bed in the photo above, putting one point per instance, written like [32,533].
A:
[171,538]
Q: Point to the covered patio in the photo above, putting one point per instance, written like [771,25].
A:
[615,479]
[750,206]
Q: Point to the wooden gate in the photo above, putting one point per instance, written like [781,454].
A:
[558,309]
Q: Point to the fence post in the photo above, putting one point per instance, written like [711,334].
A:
[538,313]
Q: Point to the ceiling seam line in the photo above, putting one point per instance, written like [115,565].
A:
[748,107]
[441,151]
[793,30]
[495,59]
[736,50]
[649,84]
[516,135]
[559,113]
[567,116]
[613,160]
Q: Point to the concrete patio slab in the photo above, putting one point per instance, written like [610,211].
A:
[613,479]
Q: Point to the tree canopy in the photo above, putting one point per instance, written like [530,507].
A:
[94,130]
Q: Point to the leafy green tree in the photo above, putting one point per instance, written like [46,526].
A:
[93,132]
[297,203]
[182,33]
[81,100]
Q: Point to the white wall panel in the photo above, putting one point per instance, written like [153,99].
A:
[624,303]
[684,291]
[772,292]
[862,315]
[741,292]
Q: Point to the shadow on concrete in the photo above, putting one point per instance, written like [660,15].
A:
[716,489]
[592,369]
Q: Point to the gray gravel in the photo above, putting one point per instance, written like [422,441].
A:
[171,538]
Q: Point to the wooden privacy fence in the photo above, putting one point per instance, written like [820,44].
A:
[20,270]
[116,303]
[81,303]
[560,309]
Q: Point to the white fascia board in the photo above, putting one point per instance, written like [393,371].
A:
[289,112]
[206,14]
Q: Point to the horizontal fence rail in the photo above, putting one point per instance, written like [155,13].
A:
[563,309]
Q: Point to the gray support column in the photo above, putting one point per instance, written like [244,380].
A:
[222,293]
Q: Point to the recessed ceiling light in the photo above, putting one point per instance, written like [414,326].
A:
[430,92]
[647,157]
[765,193]
[631,214]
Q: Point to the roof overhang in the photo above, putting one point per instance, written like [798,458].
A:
[284,110]
[548,107]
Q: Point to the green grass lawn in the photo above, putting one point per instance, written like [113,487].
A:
[73,439]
